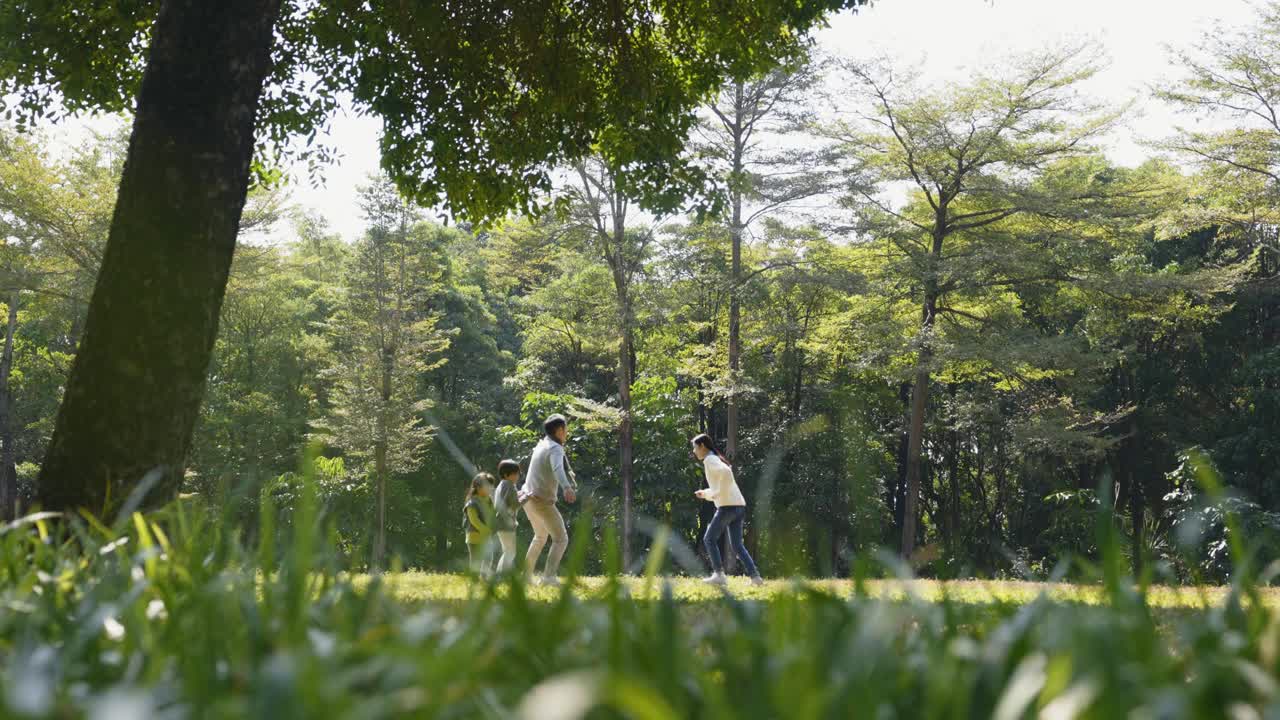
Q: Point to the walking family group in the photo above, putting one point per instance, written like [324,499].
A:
[492,508]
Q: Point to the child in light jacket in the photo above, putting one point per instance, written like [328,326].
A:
[506,509]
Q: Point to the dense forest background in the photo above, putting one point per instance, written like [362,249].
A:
[934,319]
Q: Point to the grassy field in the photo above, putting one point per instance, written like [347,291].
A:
[415,587]
[178,618]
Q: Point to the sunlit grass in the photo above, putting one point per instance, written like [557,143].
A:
[416,587]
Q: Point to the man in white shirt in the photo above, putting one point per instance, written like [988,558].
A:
[549,473]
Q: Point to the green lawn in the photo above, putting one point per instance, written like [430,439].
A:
[416,586]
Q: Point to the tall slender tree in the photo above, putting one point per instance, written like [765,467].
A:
[970,156]
[600,211]
[385,337]
[757,177]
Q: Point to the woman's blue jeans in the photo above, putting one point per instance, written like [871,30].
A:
[730,518]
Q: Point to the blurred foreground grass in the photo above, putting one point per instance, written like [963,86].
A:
[180,614]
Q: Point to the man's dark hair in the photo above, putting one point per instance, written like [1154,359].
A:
[554,423]
[507,468]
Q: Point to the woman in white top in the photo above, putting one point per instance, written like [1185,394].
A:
[731,511]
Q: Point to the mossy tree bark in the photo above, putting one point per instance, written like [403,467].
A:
[135,388]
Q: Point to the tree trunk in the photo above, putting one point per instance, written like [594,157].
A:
[1137,509]
[953,481]
[839,521]
[380,535]
[911,500]
[897,495]
[442,506]
[915,437]
[704,412]
[735,330]
[1137,498]
[837,541]
[625,371]
[626,432]
[8,469]
[920,390]
[380,460]
[135,387]
[735,235]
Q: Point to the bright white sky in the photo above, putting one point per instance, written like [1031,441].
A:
[946,37]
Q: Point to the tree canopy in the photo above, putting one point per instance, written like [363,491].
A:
[478,100]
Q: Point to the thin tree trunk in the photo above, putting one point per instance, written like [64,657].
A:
[626,360]
[915,437]
[1137,499]
[134,391]
[380,460]
[953,481]
[920,390]
[735,330]
[1137,509]
[898,493]
[704,412]
[919,396]
[8,469]
[840,519]
[442,505]
[837,541]
[626,450]
[735,277]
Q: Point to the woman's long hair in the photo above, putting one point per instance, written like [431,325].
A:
[476,482]
[705,441]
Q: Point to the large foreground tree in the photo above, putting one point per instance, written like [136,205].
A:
[478,101]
